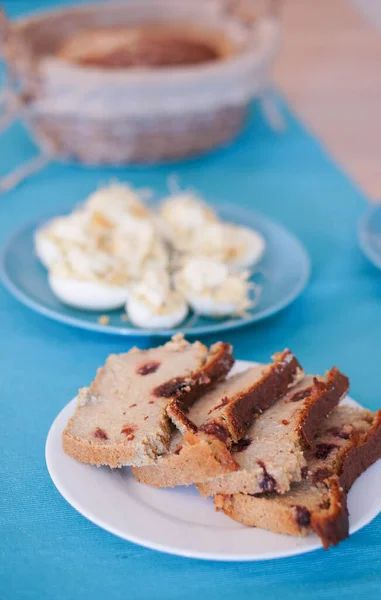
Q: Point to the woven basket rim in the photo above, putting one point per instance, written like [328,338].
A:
[267,27]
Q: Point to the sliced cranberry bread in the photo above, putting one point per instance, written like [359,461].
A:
[121,419]
[271,455]
[228,415]
[348,443]
[200,449]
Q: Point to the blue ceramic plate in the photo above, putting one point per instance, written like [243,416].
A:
[370,235]
[285,266]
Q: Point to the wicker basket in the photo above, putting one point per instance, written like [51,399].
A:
[120,116]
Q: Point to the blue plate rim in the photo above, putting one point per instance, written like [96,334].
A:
[130,332]
[363,233]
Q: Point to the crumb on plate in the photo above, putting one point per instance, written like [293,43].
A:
[104,320]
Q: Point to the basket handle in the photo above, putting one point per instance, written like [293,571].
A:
[10,110]
[6,104]
[11,99]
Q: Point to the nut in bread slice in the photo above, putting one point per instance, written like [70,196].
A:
[121,419]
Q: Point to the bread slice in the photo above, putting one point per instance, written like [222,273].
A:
[199,450]
[121,419]
[271,456]
[348,443]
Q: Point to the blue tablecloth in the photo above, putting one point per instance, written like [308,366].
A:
[47,550]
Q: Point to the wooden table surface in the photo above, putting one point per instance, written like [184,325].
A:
[330,72]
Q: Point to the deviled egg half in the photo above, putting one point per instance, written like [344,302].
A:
[180,215]
[212,290]
[115,201]
[53,239]
[90,280]
[153,304]
[111,212]
[237,247]
[137,243]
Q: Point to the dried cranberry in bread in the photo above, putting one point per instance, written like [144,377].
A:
[348,443]
[200,450]
[271,456]
[121,419]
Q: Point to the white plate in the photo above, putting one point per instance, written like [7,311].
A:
[177,520]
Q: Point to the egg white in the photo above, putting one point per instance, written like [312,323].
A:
[46,250]
[207,306]
[88,295]
[142,316]
[255,246]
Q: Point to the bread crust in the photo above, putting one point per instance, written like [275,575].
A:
[239,414]
[324,398]
[94,452]
[332,524]
[201,383]
[361,454]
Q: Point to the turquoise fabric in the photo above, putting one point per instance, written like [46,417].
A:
[47,550]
